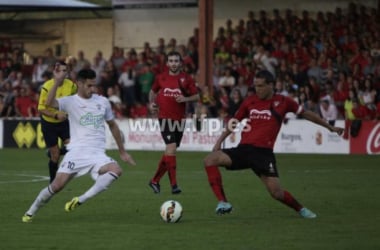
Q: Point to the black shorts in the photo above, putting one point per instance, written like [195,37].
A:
[261,160]
[53,131]
[172,130]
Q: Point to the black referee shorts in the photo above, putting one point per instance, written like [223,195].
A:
[52,131]
[262,161]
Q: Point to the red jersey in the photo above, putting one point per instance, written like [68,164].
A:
[23,103]
[264,118]
[168,87]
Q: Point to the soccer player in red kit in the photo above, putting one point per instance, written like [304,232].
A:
[169,94]
[264,111]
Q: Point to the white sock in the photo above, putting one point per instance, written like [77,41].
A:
[42,198]
[102,183]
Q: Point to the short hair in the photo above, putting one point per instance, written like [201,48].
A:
[174,53]
[265,74]
[85,74]
[60,62]
[325,101]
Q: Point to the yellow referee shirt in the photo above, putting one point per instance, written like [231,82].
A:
[66,89]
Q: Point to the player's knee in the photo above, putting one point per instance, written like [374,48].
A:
[206,161]
[54,154]
[56,186]
[116,170]
[119,172]
[209,160]
[171,149]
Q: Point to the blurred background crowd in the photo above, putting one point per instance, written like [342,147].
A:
[328,62]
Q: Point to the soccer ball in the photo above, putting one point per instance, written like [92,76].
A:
[171,211]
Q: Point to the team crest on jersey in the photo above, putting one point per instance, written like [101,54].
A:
[276,103]
[271,168]
[98,106]
[182,80]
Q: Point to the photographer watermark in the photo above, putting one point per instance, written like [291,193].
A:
[196,123]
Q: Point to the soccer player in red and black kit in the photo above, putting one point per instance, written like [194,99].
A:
[169,94]
[264,111]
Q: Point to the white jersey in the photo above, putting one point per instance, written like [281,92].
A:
[87,121]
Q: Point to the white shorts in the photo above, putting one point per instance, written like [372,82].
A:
[81,163]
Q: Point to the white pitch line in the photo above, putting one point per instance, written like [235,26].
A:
[37,178]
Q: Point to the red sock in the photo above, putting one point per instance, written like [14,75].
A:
[215,180]
[290,201]
[161,170]
[172,169]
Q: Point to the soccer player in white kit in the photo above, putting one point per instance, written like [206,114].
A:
[87,114]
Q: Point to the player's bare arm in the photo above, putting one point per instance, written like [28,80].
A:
[152,101]
[313,117]
[226,132]
[51,101]
[115,131]
[60,72]
[57,115]
[61,116]
[192,98]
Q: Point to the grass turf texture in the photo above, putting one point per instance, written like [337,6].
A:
[342,190]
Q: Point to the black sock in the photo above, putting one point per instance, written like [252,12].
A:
[53,167]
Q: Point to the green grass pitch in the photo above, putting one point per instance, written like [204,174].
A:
[343,190]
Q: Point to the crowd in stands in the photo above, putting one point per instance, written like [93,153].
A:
[329,62]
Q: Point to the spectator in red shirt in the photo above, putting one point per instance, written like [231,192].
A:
[138,111]
[360,58]
[360,111]
[25,104]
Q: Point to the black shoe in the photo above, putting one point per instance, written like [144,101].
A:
[155,187]
[176,190]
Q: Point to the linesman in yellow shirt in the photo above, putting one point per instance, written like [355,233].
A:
[54,124]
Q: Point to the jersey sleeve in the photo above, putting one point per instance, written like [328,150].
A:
[156,84]
[108,114]
[293,106]
[242,112]
[74,88]
[43,97]
[70,88]
[190,86]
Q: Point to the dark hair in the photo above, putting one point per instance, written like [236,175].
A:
[85,74]
[326,101]
[174,53]
[60,62]
[265,74]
